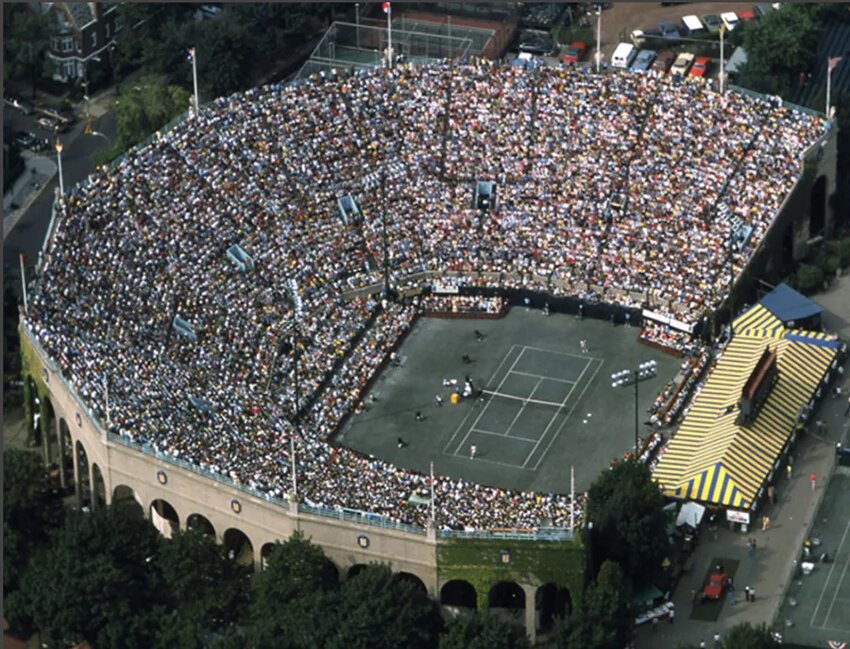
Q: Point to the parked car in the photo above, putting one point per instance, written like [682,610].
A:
[747,16]
[717,583]
[575,52]
[712,23]
[700,66]
[682,64]
[663,62]
[730,19]
[538,44]
[668,30]
[643,61]
[692,26]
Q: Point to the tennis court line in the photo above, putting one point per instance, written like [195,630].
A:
[828,579]
[552,351]
[840,581]
[522,407]
[486,405]
[563,423]
[494,434]
[542,376]
[463,421]
[557,412]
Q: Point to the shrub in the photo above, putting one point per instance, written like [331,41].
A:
[809,278]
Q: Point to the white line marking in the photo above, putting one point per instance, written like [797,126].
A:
[828,578]
[478,458]
[838,586]
[490,432]
[487,405]
[542,376]
[522,408]
[558,412]
[551,351]
[558,432]
[463,421]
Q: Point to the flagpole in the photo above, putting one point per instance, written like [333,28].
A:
[390,35]
[433,514]
[195,80]
[106,399]
[572,497]
[24,283]
[722,62]
[829,66]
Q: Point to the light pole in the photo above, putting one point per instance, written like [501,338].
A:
[384,234]
[357,23]
[722,62]
[296,317]
[645,370]
[103,135]
[598,36]
[193,58]
[59,160]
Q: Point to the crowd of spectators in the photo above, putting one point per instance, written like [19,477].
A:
[463,304]
[606,188]
[663,335]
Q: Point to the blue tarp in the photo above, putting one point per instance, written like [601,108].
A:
[787,304]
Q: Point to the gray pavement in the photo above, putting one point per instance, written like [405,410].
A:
[39,171]
[796,515]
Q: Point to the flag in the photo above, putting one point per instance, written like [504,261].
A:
[833,61]
[191,53]
[386,7]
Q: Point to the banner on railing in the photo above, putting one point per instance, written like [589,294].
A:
[439,287]
[671,322]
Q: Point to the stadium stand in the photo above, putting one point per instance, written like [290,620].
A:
[159,239]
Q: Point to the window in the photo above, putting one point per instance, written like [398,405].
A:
[94,39]
[56,44]
[67,43]
[69,69]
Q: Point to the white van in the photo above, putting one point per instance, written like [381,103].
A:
[623,55]
[692,26]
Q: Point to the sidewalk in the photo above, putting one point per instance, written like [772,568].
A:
[39,171]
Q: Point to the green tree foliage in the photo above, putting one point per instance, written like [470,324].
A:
[809,278]
[779,47]
[205,587]
[95,580]
[603,619]
[26,36]
[482,630]
[629,522]
[376,610]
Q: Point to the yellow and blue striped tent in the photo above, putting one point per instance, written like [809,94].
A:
[713,460]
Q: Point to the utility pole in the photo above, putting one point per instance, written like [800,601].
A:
[384,233]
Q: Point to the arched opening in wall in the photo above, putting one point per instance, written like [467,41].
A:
[412,579]
[551,602]
[83,475]
[356,569]
[239,548]
[66,462]
[124,496]
[99,486]
[265,551]
[459,593]
[200,523]
[164,517]
[52,442]
[330,574]
[507,598]
[34,423]
[817,207]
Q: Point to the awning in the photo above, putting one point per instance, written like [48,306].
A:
[690,514]
[788,305]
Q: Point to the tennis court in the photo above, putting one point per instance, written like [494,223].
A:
[524,407]
[554,406]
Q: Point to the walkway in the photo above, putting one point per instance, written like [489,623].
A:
[39,170]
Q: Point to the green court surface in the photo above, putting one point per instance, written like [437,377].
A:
[554,405]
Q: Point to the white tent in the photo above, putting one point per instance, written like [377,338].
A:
[690,514]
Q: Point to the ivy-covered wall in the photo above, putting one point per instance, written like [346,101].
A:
[482,564]
[31,376]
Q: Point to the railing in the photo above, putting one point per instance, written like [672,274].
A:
[364,518]
[544,534]
[787,104]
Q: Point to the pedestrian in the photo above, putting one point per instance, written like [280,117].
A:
[788,470]
[771,493]
[655,625]
[466,359]
[752,594]
[581,312]
[717,639]
[439,401]
[628,319]
[813,479]
[751,548]
[583,345]
[672,615]
[546,309]
[419,416]
[754,544]
[479,336]
[472,451]
[693,595]
[401,443]
[702,644]
[747,593]
[730,596]
[847,412]
[765,522]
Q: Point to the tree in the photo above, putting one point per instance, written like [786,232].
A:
[94,580]
[376,610]
[629,522]
[603,619]
[26,37]
[205,587]
[482,630]
[780,46]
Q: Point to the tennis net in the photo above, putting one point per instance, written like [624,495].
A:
[489,395]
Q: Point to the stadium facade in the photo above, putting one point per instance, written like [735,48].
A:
[494,564]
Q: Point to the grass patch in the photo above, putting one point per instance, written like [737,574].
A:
[709,610]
